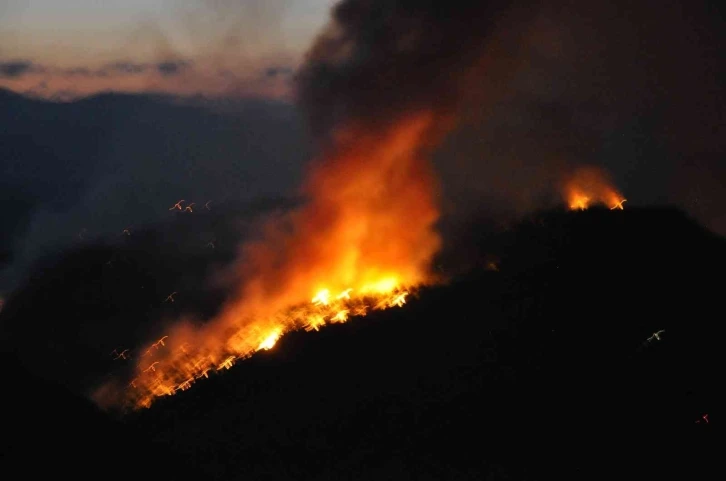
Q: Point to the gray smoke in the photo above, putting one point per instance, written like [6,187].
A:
[380,60]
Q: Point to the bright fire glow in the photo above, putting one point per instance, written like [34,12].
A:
[363,242]
[269,341]
[589,186]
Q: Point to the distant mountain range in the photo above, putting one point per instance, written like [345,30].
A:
[112,160]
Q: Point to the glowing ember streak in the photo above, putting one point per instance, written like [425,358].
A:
[589,186]
[269,341]
[227,363]
[121,355]
[579,201]
[345,294]
[185,385]
[342,316]
[619,205]
[177,205]
[152,367]
[399,300]
[195,362]
[315,322]
[322,297]
[164,390]
[656,335]
[382,286]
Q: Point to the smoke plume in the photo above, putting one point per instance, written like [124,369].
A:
[381,87]
[377,61]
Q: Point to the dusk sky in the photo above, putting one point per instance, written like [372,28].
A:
[63,49]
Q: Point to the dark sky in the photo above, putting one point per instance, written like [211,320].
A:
[636,87]
[537,89]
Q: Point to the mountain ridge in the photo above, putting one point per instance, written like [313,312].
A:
[539,359]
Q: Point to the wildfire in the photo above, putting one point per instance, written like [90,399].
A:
[179,368]
[270,340]
[363,243]
[589,186]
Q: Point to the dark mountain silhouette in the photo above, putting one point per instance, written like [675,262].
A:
[539,364]
[47,429]
[112,160]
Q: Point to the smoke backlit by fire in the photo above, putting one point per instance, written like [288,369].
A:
[588,186]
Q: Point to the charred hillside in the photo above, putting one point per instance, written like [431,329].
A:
[537,364]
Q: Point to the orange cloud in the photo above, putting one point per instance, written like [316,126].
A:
[270,79]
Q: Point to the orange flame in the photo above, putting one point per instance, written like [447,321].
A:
[589,186]
[363,242]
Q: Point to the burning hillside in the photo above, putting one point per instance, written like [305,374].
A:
[362,242]
[365,237]
[588,186]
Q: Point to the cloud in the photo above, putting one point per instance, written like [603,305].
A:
[239,48]
[17,68]
[171,67]
[279,72]
[79,71]
[123,68]
[182,76]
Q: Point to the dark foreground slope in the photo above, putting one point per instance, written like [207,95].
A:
[538,370]
[49,432]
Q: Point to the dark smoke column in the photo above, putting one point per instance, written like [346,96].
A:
[379,60]
[382,79]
